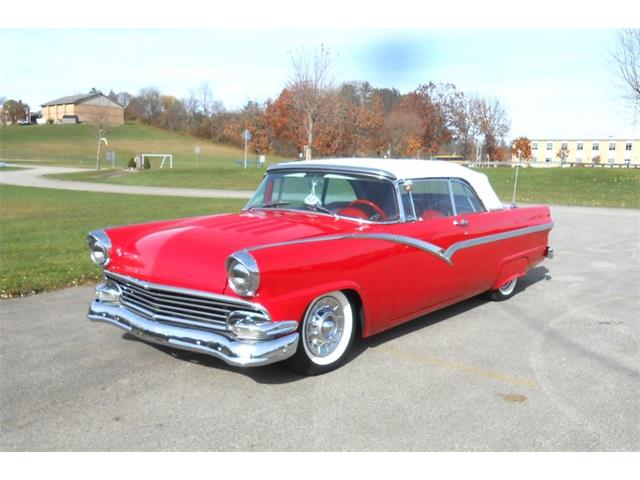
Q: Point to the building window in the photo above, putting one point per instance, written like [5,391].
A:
[610,160]
[579,160]
[627,161]
[564,146]
[549,146]
[612,146]
[627,147]
[580,146]
[534,146]
[595,146]
[548,160]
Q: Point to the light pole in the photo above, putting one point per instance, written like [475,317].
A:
[246,135]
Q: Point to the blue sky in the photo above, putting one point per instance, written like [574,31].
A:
[553,82]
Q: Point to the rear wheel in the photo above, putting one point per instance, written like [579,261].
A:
[326,335]
[505,291]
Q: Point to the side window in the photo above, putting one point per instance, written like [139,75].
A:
[431,198]
[465,198]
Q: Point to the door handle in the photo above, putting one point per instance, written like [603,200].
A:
[463,222]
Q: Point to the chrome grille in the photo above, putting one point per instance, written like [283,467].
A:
[179,306]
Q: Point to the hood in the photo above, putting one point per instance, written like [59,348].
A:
[191,253]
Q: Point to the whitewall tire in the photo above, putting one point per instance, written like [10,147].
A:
[504,291]
[326,334]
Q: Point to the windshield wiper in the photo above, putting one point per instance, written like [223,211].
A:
[279,203]
[319,207]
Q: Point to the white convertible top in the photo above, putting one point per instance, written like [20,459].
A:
[405,169]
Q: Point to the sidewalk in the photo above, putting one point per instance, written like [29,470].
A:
[33,176]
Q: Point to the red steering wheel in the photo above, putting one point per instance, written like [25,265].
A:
[370,204]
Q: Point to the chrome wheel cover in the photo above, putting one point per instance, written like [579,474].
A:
[508,287]
[327,328]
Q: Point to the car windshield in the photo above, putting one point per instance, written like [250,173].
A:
[345,195]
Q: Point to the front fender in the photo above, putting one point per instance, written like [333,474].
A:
[291,277]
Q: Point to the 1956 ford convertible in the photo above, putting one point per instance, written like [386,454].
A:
[326,250]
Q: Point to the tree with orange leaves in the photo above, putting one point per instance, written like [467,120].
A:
[521,146]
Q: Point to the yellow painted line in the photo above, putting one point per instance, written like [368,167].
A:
[457,367]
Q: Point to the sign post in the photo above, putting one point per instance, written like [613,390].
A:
[111,157]
[196,150]
[246,135]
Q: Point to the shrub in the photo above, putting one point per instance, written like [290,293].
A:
[132,163]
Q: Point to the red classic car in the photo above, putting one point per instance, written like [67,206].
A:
[325,251]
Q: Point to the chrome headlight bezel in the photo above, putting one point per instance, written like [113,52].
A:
[99,248]
[243,274]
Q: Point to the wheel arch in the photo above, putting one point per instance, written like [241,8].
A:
[358,309]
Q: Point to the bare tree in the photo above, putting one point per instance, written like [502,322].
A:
[626,60]
[463,113]
[494,124]
[310,84]
[208,106]
[98,117]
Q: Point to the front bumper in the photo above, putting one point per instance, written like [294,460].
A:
[234,351]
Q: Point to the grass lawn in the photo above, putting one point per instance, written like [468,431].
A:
[592,187]
[233,178]
[75,145]
[596,187]
[42,238]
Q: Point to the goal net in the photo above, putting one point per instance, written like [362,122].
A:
[166,158]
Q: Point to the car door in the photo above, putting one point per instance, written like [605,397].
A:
[425,279]
[476,263]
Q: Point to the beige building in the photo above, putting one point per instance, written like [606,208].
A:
[86,107]
[615,152]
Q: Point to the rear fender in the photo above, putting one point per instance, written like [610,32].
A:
[510,269]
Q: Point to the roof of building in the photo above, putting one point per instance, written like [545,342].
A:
[585,140]
[404,169]
[75,99]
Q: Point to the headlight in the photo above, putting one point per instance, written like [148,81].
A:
[243,274]
[99,246]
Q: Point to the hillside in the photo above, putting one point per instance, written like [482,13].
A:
[75,145]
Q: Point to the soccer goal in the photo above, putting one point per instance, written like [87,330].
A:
[164,156]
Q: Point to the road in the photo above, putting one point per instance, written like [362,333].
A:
[34,176]
[555,368]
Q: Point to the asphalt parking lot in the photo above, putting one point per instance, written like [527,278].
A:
[555,368]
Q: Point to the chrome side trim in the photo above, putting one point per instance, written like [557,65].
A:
[438,252]
[412,242]
[474,242]
[213,296]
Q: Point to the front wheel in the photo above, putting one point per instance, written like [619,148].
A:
[505,291]
[327,332]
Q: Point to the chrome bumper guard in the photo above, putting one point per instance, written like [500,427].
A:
[232,350]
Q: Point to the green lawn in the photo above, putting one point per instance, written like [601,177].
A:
[75,145]
[593,187]
[228,178]
[42,238]
[596,187]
